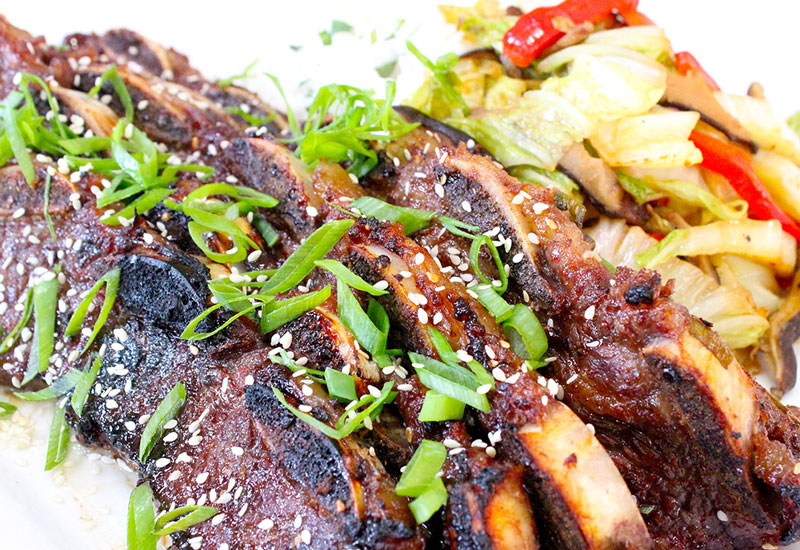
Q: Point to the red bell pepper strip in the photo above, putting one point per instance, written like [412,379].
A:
[685,62]
[535,31]
[734,164]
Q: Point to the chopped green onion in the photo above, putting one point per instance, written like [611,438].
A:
[493,302]
[248,196]
[7,409]
[442,72]
[265,229]
[58,388]
[412,219]
[111,281]
[446,353]
[141,519]
[457,227]
[437,407]
[15,140]
[192,515]
[347,427]
[301,262]
[225,82]
[196,232]
[189,332]
[8,343]
[523,327]
[166,411]
[139,206]
[279,312]
[425,505]
[58,442]
[340,385]
[45,298]
[359,323]
[453,381]
[341,272]
[47,217]
[84,386]
[422,469]
[249,118]
[112,75]
[341,123]
[283,359]
[479,241]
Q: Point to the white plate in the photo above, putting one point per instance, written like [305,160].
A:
[82,505]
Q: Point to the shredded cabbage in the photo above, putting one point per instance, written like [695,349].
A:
[761,241]
[605,91]
[782,178]
[484,23]
[639,64]
[728,306]
[769,131]
[759,280]
[537,131]
[647,39]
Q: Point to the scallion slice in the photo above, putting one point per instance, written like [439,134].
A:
[425,505]
[111,282]
[523,327]
[340,385]
[279,312]
[166,411]
[265,229]
[59,387]
[47,217]
[246,195]
[437,407]
[422,469]
[197,232]
[445,351]
[412,219]
[493,302]
[112,75]
[58,442]
[9,340]
[84,386]
[45,298]
[189,332]
[454,381]
[341,272]
[141,519]
[14,137]
[7,409]
[358,322]
[301,262]
[182,518]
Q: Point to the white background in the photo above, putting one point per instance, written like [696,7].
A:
[83,505]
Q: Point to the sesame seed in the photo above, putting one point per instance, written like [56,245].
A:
[491,451]
[238,451]
[539,207]
[202,478]
[298,522]
[311,211]
[589,313]
[498,374]
[466,206]
[381,285]
[533,238]
[266,525]
[484,389]
[18,213]
[162,462]
[304,408]
[422,315]
[722,516]
[254,255]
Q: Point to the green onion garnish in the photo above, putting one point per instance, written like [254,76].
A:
[371,338]
[454,381]
[14,136]
[45,298]
[189,332]
[7,409]
[265,229]
[225,82]
[58,442]
[84,386]
[112,75]
[412,219]
[437,407]
[525,327]
[283,359]
[341,272]
[189,515]
[111,281]
[446,353]
[47,217]
[279,312]
[8,342]
[340,385]
[141,519]
[422,469]
[166,411]
[301,262]
[493,302]
[341,122]
[425,505]
[345,427]
[58,388]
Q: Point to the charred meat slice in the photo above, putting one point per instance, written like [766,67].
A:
[235,446]
[656,388]
[565,466]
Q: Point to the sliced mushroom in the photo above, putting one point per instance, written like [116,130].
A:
[601,185]
[691,93]
[783,333]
